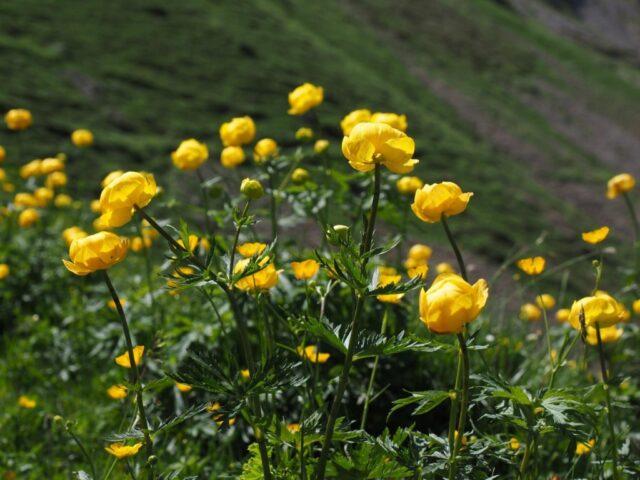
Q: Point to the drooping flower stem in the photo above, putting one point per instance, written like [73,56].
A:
[367,398]
[365,246]
[454,245]
[134,374]
[607,393]
[464,404]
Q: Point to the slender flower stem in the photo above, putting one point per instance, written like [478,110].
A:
[605,384]
[365,411]
[205,203]
[134,374]
[636,231]
[526,457]
[454,245]
[453,414]
[83,450]
[273,209]
[365,247]
[464,403]
[232,253]
[149,275]
[546,328]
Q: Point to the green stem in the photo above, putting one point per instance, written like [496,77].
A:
[205,204]
[367,397]
[453,414]
[632,214]
[526,457]
[149,276]
[464,403]
[83,450]
[232,253]
[454,245]
[546,328]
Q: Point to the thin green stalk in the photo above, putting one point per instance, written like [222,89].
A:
[365,411]
[454,245]
[605,385]
[464,403]
[453,414]
[232,253]
[273,211]
[82,449]
[546,327]
[528,449]
[149,277]
[205,204]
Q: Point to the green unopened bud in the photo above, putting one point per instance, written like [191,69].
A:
[338,234]
[152,460]
[300,175]
[251,188]
[341,230]
[57,419]
[62,157]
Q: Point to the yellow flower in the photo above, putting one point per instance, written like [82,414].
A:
[28,217]
[299,175]
[3,175]
[596,236]
[562,315]
[31,169]
[82,138]
[304,133]
[99,251]
[56,179]
[304,98]
[26,402]
[420,252]
[123,360]
[354,118]
[120,450]
[418,271]
[231,157]
[71,233]
[584,448]
[3,154]
[409,185]
[514,444]
[183,387]
[433,201]
[306,269]
[607,335]
[112,305]
[117,392]
[62,200]
[321,145]
[193,243]
[532,265]
[264,150]
[444,267]
[245,373]
[599,309]
[18,119]
[385,280]
[4,271]
[392,119]
[312,354]
[119,197]
[251,188]
[451,302]
[636,306]
[384,271]
[250,249]
[293,428]
[43,196]
[239,131]
[546,301]
[50,165]
[110,177]
[620,184]
[530,312]
[23,199]
[264,279]
[371,143]
[190,154]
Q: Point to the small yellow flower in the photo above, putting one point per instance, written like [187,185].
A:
[444,267]
[117,392]
[636,306]
[418,271]
[231,157]
[385,280]
[18,119]
[23,199]
[250,249]
[120,195]
[62,200]
[293,428]
[123,360]
[31,169]
[95,206]
[620,184]
[193,243]
[299,176]
[304,133]
[237,132]
[607,335]
[304,98]
[531,265]
[408,185]
[43,196]
[321,146]
[354,118]
[245,373]
[431,202]
[8,187]
[305,270]
[28,217]
[530,312]
[584,448]
[120,450]
[50,165]
[596,236]
[190,154]
[562,315]
[264,279]
[420,252]
[183,387]
[312,354]
[71,233]
[26,402]
[546,301]
[99,251]
[392,119]
[384,271]
[514,443]
[265,149]
[4,271]
[600,309]
[82,138]
[55,180]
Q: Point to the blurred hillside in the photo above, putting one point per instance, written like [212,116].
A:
[530,104]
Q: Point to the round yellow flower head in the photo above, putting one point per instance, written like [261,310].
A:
[119,197]
[264,279]
[408,185]
[607,335]
[3,175]
[584,448]
[304,98]
[636,306]
[72,233]
[532,265]
[293,428]
[4,271]
[31,169]
[50,165]
[444,267]
[193,243]
[354,118]
[620,184]
[562,315]
[312,354]
[304,133]
[599,309]
[56,179]
[82,138]
[299,176]
[451,302]
[305,270]
[231,157]
[120,450]
[239,131]
[251,188]
[117,392]
[190,154]
[321,145]
[23,199]
[28,217]
[596,236]
[62,200]
[124,360]
[43,196]
[250,249]
[18,119]
[421,271]
[26,402]
[3,154]
[183,387]
[99,251]
[546,301]
[245,374]
[530,312]
[514,444]
[392,119]
[432,201]
[265,149]
[110,177]
[372,143]
[420,252]
[385,280]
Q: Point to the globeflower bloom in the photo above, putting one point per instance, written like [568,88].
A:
[123,360]
[583,448]
[183,387]
[420,253]
[120,450]
[546,301]
[408,185]
[607,335]
[431,202]
[120,196]
[451,302]
[72,233]
[50,165]
[4,271]
[304,133]
[530,312]
[562,315]
[305,270]
[262,280]
[56,179]
[18,119]
[385,280]
[237,132]
[28,217]
[43,196]
[250,249]
[312,354]
[321,146]
[62,200]
[190,154]
[231,157]
[82,138]
[600,309]
[392,119]
[31,169]
[620,184]
[369,144]
[264,150]
[532,265]
[304,98]
[117,392]
[299,176]
[354,118]
[596,236]
[26,402]
[99,251]
[251,188]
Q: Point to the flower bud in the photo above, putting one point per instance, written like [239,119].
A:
[300,175]
[251,188]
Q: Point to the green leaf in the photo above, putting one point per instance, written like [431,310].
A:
[427,401]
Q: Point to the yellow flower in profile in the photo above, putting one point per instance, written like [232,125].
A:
[304,133]
[384,270]
[239,131]
[190,154]
[55,180]
[636,306]
[392,119]
[193,243]
[251,188]
[23,199]
[82,138]
[110,177]
[123,360]
[183,387]
[444,267]
[369,144]
[18,119]
[3,154]
[321,145]
[596,236]
[250,249]
[117,392]
[43,196]
[62,200]
[562,315]
[245,373]
[408,185]
[99,251]
[304,98]
[418,271]
[620,184]
[293,428]
[120,450]
[546,301]
[451,302]
[530,312]
[264,279]
[4,271]
[305,270]
[299,176]
[50,165]
[71,233]
[433,201]
[26,402]
[312,354]
[3,175]
[119,197]
[265,149]
[583,448]
[514,443]
[28,217]
[354,118]
[31,169]
[600,308]
[420,252]
[532,265]
[385,280]
[231,157]
[607,335]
